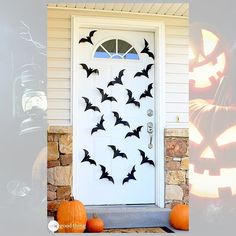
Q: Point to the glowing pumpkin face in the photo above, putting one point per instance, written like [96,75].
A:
[207,63]
[212,142]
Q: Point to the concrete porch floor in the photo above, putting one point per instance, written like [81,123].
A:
[139,230]
[131,216]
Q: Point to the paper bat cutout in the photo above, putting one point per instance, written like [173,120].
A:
[145,159]
[88,38]
[89,105]
[105,96]
[105,174]
[131,99]
[147,93]
[117,152]
[99,126]
[117,80]
[144,72]
[130,176]
[88,158]
[147,50]
[134,133]
[119,120]
[89,71]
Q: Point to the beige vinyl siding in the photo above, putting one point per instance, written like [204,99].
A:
[59,67]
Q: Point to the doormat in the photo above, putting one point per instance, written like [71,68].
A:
[140,230]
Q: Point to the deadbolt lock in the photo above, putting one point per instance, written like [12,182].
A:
[150,112]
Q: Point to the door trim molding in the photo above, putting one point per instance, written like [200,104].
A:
[156,27]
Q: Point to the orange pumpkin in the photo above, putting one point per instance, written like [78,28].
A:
[71,216]
[95,224]
[179,217]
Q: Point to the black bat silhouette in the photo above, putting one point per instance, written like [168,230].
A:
[105,174]
[145,159]
[147,93]
[88,158]
[117,152]
[130,176]
[105,96]
[147,50]
[98,126]
[119,120]
[89,70]
[88,38]
[144,72]
[117,80]
[131,99]
[134,133]
[89,105]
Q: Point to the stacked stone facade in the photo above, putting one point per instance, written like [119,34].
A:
[60,166]
[176,167]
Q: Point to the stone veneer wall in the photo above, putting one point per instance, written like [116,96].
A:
[60,166]
[176,167]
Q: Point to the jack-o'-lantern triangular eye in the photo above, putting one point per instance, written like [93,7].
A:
[194,134]
[210,41]
[227,137]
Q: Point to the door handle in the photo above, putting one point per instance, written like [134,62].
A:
[150,131]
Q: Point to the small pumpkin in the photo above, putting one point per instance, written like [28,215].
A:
[179,217]
[71,216]
[95,224]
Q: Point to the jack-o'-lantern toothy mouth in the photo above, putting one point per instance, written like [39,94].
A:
[206,185]
[208,68]
[205,75]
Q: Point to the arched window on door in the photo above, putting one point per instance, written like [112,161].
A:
[116,49]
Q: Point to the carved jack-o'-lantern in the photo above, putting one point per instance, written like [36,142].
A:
[207,62]
[212,142]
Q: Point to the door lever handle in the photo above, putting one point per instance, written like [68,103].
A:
[150,145]
[150,131]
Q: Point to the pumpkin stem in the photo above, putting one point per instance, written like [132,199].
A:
[95,215]
[72,198]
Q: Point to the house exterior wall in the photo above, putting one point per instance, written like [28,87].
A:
[176,167]
[59,66]
[60,166]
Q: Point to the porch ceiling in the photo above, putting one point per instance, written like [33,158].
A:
[166,9]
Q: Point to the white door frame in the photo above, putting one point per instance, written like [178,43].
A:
[159,89]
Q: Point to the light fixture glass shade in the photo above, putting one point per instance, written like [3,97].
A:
[34,100]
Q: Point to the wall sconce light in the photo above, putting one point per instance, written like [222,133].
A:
[29,98]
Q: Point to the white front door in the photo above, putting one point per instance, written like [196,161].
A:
[114,149]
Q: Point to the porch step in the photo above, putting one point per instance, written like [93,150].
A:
[125,216]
